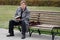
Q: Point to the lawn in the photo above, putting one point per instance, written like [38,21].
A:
[7,12]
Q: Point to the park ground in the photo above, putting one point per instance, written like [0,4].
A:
[35,36]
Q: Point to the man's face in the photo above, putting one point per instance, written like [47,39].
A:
[23,5]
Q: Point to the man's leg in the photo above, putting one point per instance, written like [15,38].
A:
[11,27]
[23,26]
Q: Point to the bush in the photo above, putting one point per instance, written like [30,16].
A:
[31,2]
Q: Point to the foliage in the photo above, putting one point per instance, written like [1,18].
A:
[32,2]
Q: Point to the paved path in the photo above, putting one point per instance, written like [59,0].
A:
[35,36]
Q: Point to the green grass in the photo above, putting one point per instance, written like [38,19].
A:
[44,8]
[7,12]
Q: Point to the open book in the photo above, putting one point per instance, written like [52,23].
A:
[17,17]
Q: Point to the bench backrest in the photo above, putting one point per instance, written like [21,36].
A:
[45,17]
[34,16]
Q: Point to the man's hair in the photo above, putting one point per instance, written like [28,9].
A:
[23,1]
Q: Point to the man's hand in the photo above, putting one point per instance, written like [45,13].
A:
[18,19]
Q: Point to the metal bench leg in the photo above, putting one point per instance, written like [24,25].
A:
[19,28]
[39,32]
[31,33]
[53,35]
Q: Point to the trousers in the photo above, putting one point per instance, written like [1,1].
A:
[13,23]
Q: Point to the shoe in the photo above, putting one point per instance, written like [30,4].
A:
[10,35]
[23,37]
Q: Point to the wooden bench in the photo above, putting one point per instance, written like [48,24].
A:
[45,20]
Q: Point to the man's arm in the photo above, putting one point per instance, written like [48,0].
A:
[17,14]
[18,11]
[27,16]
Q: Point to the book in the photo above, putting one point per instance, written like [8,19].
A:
[17,17]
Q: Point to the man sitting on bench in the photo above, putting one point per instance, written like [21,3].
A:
[21,18]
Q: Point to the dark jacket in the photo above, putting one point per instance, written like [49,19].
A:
[25,15]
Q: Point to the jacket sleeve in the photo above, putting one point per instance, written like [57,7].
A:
[27,16]
[18,11]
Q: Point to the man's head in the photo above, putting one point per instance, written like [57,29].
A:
[23,4]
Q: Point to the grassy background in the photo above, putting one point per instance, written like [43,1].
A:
[7,12]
